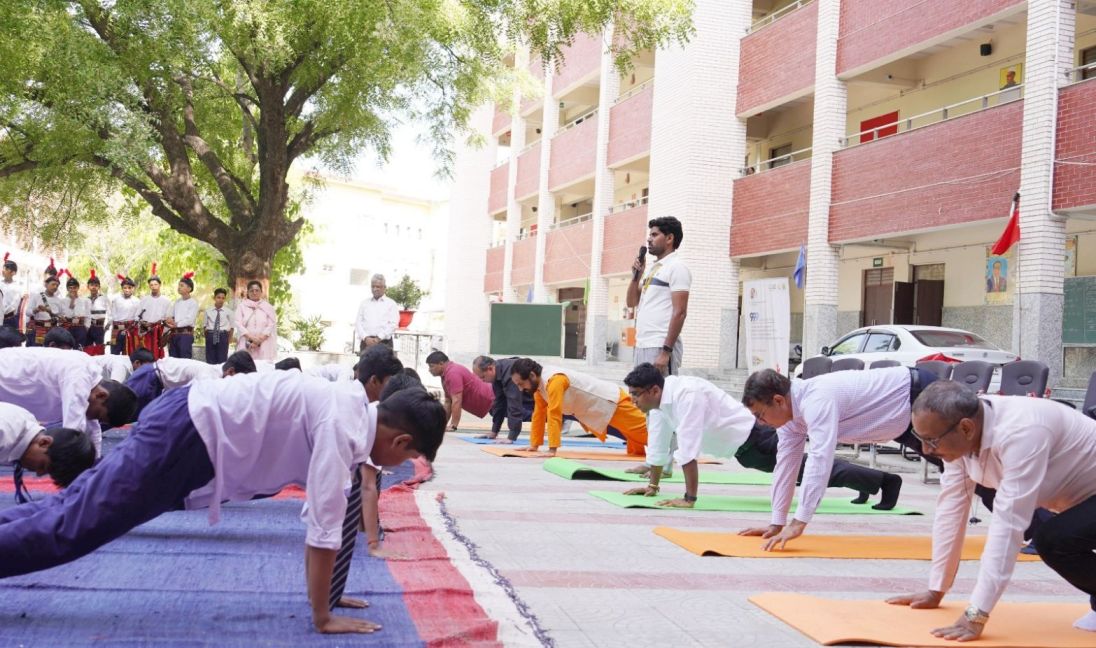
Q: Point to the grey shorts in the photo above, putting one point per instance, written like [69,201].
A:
[650,354]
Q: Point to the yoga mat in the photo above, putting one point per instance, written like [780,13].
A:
[739,504]
[509,451]
[706,543]
[1012,625]
[575,443]
[568,469]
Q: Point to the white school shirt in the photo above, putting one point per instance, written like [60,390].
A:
[53,385]
[155,308]
[124,309]
[176,372]
[185,312]
[18,427]
[332,372]
[35,300]
[98,309]
[377,317]
[115,367]
[841,407]
[78,307]
[224,325]
[13,292]
[1036,453]
[704,417]
[660,280]
[267,431]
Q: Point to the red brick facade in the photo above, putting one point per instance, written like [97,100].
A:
[777,61]
[496,200]
[582,59]
[567,253]
[501,122]
[525,253]
[573,154]
[959,171]
[880,30]
[528,182]
[624,233]
[492,276]
[1075,184]
[630,127]
[770,210]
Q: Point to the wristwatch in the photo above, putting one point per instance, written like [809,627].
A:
[667,348]
[974,615]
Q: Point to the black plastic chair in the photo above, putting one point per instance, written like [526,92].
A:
[845,364]
[1089,406]
[939,367]
[816,366]
[975,374]
[883,364]
[1024,378]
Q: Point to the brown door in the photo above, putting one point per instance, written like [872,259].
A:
[574,322]
[928,301]
[903,303]
[878,296]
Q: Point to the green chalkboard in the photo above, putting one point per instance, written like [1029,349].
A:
[527,329]
[1079,311]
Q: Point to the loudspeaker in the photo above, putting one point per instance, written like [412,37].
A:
[985,49]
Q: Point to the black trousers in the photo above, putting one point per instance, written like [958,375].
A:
[216,352]
[1067,543]
[759,453]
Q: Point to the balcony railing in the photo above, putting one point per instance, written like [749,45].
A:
[529,146]
[628,204]
[762,23]
[970,106]
[575,122]
[634,91]
[574,220]
[1082,72]
[524,234]
[776,162]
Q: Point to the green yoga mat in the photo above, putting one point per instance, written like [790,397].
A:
[569,469]
[740,504]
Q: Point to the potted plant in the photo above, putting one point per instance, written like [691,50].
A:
[311,333]
[408,295]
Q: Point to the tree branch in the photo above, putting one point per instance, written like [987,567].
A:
[308,137]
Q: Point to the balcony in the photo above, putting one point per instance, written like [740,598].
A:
[501,121]
[876,32]
[625,231]
[528,182]
[777,62]
[492,276]
[496,200]
[567,252]
[574,152]
[525,258]
[770,210]
[630,125]
[1075,154]
[581,61]
[957,171]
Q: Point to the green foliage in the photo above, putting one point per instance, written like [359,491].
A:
[311,333]
[407,293]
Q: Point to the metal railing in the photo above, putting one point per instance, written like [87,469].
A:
[776,162]
[524,234]
[1077,74]
[628,204]
[575,122]
[634,91]
[967,107]
[574,220]
[761,23]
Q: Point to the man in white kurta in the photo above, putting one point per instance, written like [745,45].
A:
[377,318]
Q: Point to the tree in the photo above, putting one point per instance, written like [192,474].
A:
[197,109]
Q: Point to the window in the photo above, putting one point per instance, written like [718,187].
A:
[328,268]
[1088,56]
[931,338]
[779,152]
[359,277]
[879,342]
[850,344]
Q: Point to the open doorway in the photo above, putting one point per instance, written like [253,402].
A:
[886,301]
[574,322]
[928,294]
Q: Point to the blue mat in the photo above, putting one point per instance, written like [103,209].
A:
[177,581]
[567,442]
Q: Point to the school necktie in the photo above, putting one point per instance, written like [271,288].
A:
[349,537]
[22,495]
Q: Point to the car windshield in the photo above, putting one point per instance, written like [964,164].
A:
[951,339]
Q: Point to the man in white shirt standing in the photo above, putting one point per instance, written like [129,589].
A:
[661,293]
[377,317]
[98,308]
[123,315]
[218,328]
[214,442]
[43,311]
[1036,453]
[75,311]
[154,309]
[183,317]
[11,293]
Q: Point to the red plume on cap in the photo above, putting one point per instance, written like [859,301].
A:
[92,275]
[6,255]
[153,268]
[64,271]
[121,277]
[189,275]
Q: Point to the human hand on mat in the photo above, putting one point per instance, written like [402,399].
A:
[646,491]
[962,630]
[486,436]
[926,600]
[352,603]
[793,530]
[503,442]
[344,625]
[676,503]
[764,532]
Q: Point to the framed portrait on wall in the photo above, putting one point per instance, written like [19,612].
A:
[1010,76]
[998,277]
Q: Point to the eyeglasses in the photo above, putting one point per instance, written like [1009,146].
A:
[934,442]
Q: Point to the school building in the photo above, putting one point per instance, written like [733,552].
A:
[888,137]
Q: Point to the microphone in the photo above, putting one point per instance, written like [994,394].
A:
[642,258]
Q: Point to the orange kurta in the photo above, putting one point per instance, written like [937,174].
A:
[549,413]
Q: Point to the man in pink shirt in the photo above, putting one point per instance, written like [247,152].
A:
[1036,453]
[463,391]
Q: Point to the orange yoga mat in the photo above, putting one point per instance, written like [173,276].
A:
[594,455]
[888,547]
[1011,625]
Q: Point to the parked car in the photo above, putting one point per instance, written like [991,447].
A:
[910,344]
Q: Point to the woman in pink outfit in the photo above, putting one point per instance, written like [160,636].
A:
[256,324]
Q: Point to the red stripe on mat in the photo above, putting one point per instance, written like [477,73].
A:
[438,598]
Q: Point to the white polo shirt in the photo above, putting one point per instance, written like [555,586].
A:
[704,417]
[661,279]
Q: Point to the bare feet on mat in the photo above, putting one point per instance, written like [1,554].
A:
[676,503]
[352,603]
[504,442]
[486,436]
[641,469]
[344,625]
[892,485]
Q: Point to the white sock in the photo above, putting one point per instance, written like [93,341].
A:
[1087,622]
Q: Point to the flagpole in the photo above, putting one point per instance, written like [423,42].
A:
[1018,309]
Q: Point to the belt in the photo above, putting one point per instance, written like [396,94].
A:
[184,329]
[915,383]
